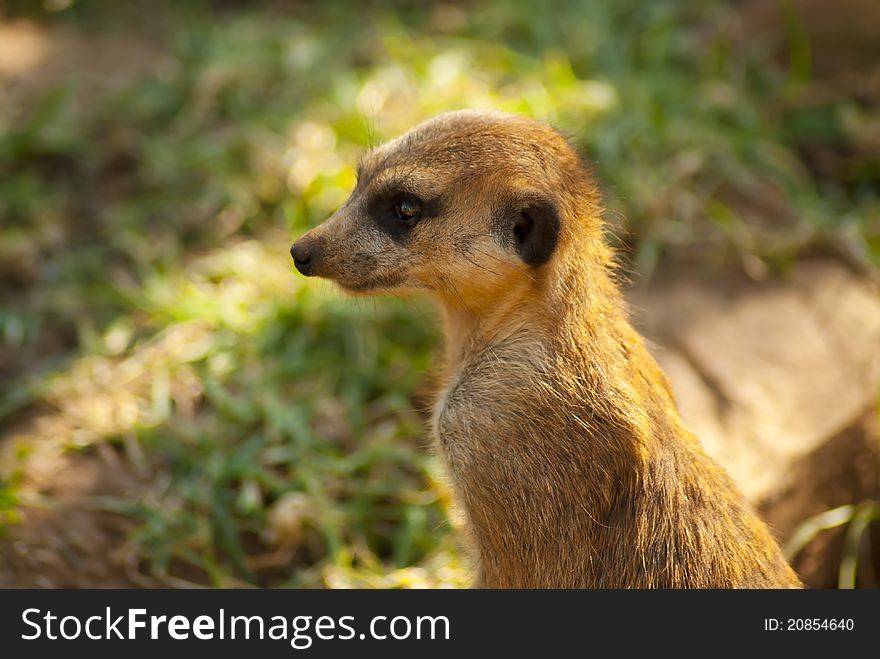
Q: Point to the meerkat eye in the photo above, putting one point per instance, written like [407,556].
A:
[407,209]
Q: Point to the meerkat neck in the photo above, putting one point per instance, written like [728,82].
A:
[575,312]
[471,328]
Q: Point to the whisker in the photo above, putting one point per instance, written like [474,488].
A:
[482,267]
[502,261]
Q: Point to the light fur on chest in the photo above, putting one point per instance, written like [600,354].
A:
[485,403]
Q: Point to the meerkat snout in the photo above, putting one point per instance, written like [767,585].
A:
[305,255]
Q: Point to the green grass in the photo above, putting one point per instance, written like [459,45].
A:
[144,232]
[8,506]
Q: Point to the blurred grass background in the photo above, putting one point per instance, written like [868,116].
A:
[149,192]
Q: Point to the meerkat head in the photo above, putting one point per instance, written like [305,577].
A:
[465,206]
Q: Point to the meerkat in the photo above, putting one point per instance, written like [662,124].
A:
[559,431]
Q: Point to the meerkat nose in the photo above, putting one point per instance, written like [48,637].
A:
[302,258]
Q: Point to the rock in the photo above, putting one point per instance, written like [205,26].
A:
[765,373]
[780,380]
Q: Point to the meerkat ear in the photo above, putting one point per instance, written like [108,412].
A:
[536,231]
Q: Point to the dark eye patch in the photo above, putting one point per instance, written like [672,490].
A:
[396,210]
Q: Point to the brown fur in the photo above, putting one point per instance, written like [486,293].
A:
[559,431]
